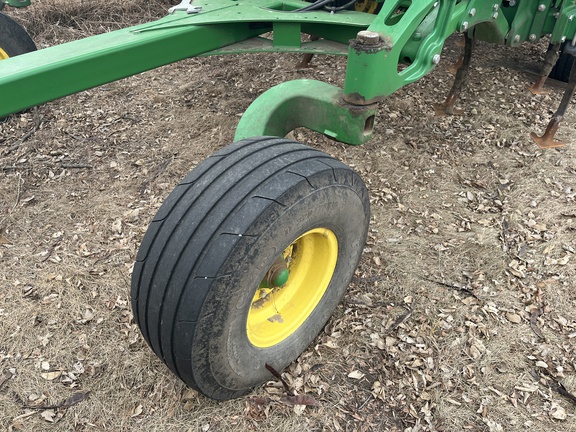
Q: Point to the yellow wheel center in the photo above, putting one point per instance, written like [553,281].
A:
[276,313]
[3,54]
[368,6]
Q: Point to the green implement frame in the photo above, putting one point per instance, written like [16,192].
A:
[14,3]
[385,51]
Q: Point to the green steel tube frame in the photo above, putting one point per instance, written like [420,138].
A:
[395,48]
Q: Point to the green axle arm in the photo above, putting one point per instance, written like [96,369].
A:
[14,3]
[385,52]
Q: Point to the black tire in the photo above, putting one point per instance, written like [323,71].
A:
[14,40]
[563,66]
[211,243]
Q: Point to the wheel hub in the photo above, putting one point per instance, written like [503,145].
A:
[292,288]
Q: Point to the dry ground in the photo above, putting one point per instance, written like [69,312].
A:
[460,316]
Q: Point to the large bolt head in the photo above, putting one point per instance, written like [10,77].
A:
[368,37]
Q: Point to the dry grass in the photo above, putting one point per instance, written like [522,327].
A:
[54,22]
[460,316]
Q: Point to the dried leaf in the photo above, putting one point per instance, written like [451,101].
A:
[48,415]
[137,411]
[189,395]
[117,226]
[514,318]
[526,388]
[557,412]
[51,375]
[299,409]
[378,390]
[356,374]
[299,400]
[87,316]
[477,348]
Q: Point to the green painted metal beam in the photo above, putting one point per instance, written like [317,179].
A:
[51,73]
[262,44]
[61,70]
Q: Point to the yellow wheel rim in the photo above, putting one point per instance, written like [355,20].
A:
[3,54]
[276,313]
[368,6]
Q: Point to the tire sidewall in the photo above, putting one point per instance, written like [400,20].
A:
[14,39]
[239,363]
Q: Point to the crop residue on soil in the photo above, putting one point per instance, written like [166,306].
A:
[460,315]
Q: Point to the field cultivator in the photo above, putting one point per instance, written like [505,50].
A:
[249,255]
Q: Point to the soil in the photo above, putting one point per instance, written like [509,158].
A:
[460,315]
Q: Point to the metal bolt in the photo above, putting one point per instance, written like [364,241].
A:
[495,7]
[563,39]
[512,3]
[532,37]
[368,37]
[472,12]
[517,38]
[435,4]
[571,17]
[464,26]
[436,59]
[495,15]
[542,7]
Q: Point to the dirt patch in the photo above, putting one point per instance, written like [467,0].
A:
[460,316]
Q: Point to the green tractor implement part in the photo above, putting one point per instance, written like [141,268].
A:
[249,255]
[14,3]
[387,51]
